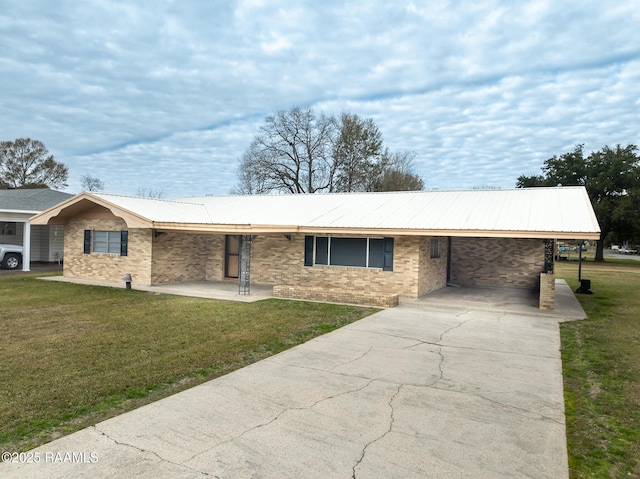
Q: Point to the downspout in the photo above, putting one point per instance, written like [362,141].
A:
[448,260]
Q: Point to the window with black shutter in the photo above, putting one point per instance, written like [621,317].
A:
[110,242]
[87,241]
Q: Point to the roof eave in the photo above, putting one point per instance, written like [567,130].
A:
[285,229]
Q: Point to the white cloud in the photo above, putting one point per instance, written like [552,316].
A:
[173,92]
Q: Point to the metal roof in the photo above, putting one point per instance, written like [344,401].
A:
[560,212]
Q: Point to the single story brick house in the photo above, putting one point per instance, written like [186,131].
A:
[367,248]
[41,243]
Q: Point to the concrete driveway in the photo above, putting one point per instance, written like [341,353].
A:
[430,389]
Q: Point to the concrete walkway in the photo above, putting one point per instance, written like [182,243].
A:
[425,390]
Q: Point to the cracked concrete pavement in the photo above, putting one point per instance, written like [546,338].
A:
[433,388]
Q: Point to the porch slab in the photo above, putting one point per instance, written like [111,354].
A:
[222,290]
[512,300]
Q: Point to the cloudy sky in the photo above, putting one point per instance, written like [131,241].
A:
[167,95]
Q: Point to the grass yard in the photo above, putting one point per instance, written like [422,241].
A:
[601,366]
[73,355]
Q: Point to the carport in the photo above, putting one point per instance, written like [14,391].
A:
[40,243]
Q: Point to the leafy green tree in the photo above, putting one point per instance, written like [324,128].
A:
[395,172]
[26,163]
[612,179]
[356,152]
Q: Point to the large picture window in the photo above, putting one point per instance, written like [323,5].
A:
[358,252]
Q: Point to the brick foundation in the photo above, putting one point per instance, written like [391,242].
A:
[315,293]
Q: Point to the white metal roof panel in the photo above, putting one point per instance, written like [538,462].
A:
[158,210]
[564,210]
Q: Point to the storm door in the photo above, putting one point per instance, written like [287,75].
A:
[231,256]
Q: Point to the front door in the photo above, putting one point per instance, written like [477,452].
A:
[231,256]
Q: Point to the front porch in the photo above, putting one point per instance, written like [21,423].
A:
[221,290]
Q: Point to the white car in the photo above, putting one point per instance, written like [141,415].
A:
[625,251]
[10,256]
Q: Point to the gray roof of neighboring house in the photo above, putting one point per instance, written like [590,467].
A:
[31,200]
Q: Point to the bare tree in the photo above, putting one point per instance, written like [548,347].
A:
[291,154]
[298,151]
[147,192]
[91,183]
[26,163]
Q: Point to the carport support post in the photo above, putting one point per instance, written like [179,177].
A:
[547,299]
[26,247]
[244,278]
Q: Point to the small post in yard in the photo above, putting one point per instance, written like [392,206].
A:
[580,243]
[585,284]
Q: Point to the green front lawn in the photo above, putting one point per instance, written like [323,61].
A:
[73,355]
[601,366]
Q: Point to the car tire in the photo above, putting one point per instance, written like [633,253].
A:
[11,261]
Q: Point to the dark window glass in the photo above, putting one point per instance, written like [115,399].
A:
[8,229]
[322,250]
[435,248]
[376,253]
[308,250]
[349,251]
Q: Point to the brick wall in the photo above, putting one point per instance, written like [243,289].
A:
[433,271]
[506,262]
[279,261]
[105,266]
[180,257]
[215,258]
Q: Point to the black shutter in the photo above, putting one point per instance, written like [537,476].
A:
[387,249]
[87,241]
[308,250]
[124,242]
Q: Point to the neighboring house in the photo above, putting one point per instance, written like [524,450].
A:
[41,243]
[365,248]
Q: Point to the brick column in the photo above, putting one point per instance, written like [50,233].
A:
[547,291]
